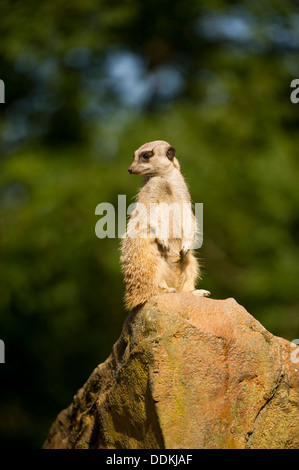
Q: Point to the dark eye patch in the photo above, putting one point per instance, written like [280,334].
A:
[146,155]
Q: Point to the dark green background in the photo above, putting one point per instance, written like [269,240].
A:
[87,82]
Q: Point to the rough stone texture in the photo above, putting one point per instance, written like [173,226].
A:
[187,372]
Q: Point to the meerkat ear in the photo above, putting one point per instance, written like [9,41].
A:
[170,153]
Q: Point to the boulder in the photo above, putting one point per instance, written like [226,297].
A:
[187,372]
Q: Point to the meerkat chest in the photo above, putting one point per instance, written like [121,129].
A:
[159,190]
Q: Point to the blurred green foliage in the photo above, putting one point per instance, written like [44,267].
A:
[86,84]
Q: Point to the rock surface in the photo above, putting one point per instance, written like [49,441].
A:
[187,372]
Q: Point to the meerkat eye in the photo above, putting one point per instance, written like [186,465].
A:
[145,156]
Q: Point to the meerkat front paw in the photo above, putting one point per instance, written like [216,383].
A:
[163,244]
[186,246]
[201,293]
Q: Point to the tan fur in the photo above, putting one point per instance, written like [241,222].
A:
[155,265]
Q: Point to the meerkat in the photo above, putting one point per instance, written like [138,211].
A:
[153,262]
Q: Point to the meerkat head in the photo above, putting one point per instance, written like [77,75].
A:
[155,158]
